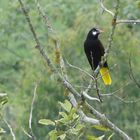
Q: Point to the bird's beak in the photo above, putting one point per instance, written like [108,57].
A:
[100,31]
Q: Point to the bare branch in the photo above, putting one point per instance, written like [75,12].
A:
[83,117]
[127,101]
[121,20]
[118,97]
[132,75]
[26,133]
[45,56]
[111,36]
[45,17]
[110,40]
[70,88]
[105,9]
[85,92]
[59,58]
[95,79]
[111,94]
[128,21]
[89,97]
[105,122]
[38,45]
[83,71]
[10,128]
[89,86]
[31,113]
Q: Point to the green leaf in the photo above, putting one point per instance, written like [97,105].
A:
[63,120]
[92,138]
[66,105]
[46,122]
[62,137]
[3,98]
[73,131]
[101,128]
[63,114]
[2,131]
[79,127]
[76,130]
[95,138]
[109,138]
[101,137]
[53,135]
[73,114]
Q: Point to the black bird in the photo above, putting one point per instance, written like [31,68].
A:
[94,51]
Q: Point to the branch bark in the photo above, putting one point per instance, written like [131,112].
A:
[128,21]
[82,115]
[105,122]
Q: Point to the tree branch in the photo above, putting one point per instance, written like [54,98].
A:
[128,21]
[82,115]
[11,129]
[105,9]
[132,75]
[31,113]
[59,58]
[105,122]
[83,71]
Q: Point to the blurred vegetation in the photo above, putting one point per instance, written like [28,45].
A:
[21,65]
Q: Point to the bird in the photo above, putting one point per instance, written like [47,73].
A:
[94,51]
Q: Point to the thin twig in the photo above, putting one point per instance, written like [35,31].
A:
[132,74]
[56,41]
[89,97]
[111,36]
[10,128]
[126,101]
[111,94]
[89,86]
[105,9]
[44,16]
[38,44]
[78,68]
[131,21]
[118,97]
[110,40]
[95,79]
[85,92]
[97,89]
[82,115]
[31,112]
[26,133]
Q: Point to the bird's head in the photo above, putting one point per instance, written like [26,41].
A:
[93,33]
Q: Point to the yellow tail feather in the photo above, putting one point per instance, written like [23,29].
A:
[105,75]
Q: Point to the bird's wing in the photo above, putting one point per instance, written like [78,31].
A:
[89,53]
[102,51]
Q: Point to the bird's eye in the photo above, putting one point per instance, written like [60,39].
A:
[94,32]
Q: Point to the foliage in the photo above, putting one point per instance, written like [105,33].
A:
[69,125]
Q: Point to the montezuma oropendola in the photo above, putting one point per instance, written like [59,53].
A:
[94,51]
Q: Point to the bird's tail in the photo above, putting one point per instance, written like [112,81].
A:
[105,75]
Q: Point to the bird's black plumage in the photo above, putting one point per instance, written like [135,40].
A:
[94,49]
